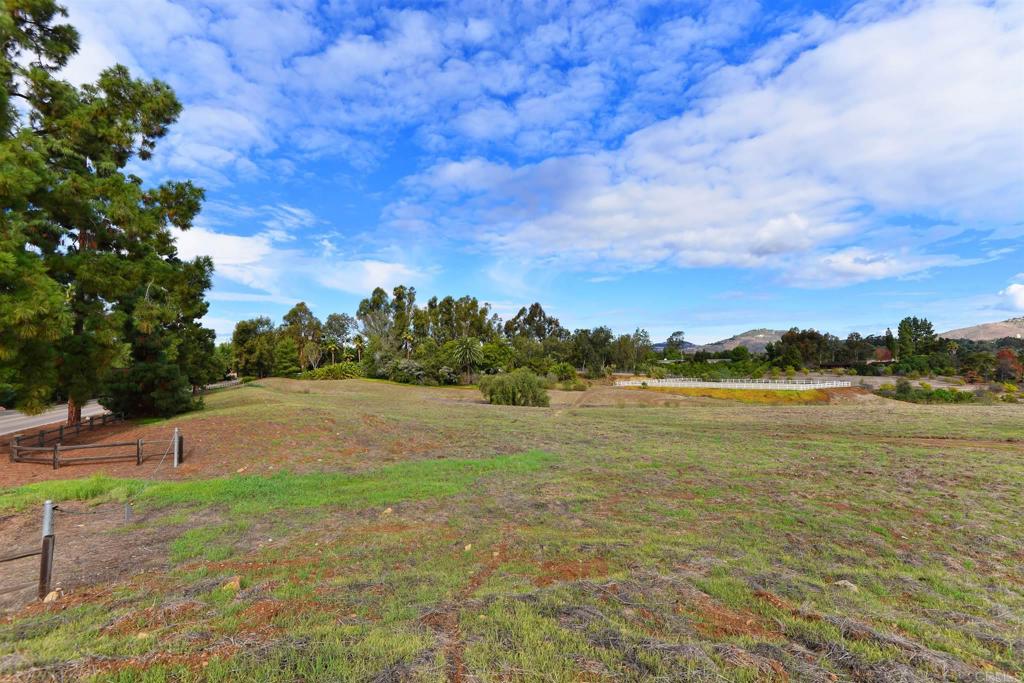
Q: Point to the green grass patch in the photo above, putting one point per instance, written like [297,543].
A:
[416,480]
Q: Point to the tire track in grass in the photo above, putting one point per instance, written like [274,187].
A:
[445,621]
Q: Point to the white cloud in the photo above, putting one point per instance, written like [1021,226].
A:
[1014,295]
[362,276]
[262,262]
[859,264]
[920,113]
[488,121]
[293,77]
[223,327]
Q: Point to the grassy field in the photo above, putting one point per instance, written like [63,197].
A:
[418,534]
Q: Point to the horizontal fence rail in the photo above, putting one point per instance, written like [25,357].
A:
[57,454]
[773,384]
[60,432]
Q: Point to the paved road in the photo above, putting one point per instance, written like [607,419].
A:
[11,421]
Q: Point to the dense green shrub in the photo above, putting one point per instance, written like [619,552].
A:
[344,370]
[905,391]
[447,375]
[574,384]
[563,371]
[517,388]
[406,371]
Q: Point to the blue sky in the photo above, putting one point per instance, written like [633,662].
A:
[710,167]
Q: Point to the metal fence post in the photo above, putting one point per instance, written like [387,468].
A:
[177,447]
[46,556]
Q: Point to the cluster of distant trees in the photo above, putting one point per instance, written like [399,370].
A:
[449,340]
[444,341]
[915,349]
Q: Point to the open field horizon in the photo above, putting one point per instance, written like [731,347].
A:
[385,532]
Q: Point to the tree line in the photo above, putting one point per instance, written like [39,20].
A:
[445,341]
[449,340]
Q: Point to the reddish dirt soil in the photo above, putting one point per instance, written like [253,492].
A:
[553,572]
[717,621]
[86,552]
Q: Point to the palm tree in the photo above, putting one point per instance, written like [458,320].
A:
[332,349]
[467,354]
[407,340]
[360,345]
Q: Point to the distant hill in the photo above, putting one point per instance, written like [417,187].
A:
[754,340]
[660,346]
[1014,327]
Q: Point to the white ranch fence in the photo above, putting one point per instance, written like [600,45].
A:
[776,384]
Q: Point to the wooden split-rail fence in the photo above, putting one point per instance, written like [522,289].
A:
[57,454]
[61,432]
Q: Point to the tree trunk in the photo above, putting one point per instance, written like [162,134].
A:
[74,412]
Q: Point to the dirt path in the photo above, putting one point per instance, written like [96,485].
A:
[445,621]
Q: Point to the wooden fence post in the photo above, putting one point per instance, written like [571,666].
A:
[42,437]
[138,452]
[46,556]
[15,442]
[56,456]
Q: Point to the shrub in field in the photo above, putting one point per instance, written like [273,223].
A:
[563,371]
[345,370]
[905,391]
[517,388]
[405,371]
[657,372]
[574,384]
[447,375]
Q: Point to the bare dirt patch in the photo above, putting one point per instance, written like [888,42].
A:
[90,549]
[569,570]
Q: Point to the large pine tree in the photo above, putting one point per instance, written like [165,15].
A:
[89,234]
